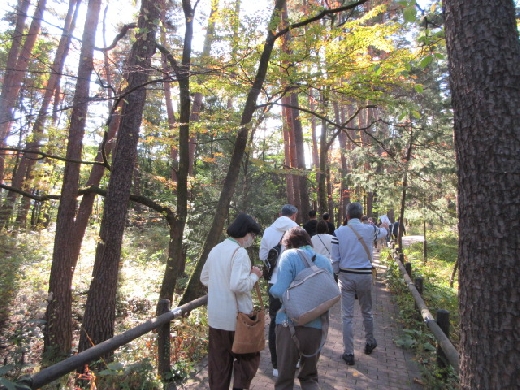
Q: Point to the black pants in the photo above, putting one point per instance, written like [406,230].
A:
[274,305]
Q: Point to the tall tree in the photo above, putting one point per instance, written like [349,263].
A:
[58,332]
[28,160]
[484,53]
[12,57]
[100,310]
[14,76]
[175,262]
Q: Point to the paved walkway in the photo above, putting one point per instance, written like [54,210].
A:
[388,367]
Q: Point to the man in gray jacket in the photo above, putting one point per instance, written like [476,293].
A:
[352,262]
[272,236]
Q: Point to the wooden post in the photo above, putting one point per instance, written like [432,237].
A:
[419,284]
[443,320]
[408,268]
[163,341]
[425,243]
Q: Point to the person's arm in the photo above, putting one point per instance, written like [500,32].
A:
[264,250]
[335,256]
[204,275]
[284,278]
[243,276]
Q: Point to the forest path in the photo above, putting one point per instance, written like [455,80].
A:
[388,367]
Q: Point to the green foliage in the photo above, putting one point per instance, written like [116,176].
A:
[128,376]
[442,249]
[9,385]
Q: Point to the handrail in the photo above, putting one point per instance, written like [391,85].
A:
[449,350]
[57,370]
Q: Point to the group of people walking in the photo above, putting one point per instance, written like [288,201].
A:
[229,275]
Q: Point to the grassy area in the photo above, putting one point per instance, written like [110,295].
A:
[438,294]
[25,264]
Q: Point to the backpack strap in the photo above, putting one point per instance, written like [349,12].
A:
[325,246]
[305,259]
[324,332]
[360,239]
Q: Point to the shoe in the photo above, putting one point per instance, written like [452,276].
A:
[369,347]
[275,372]
[349,359]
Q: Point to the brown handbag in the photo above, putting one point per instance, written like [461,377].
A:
[249,331]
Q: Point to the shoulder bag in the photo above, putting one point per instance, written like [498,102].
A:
[249,331]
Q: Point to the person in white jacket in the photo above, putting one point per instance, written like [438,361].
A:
[229,276]
[322,241]
[272,236]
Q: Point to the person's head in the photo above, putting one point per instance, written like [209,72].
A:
[244,229]
[325,216]
[296,237]
[322,227]
[364,219]
[354,210]
[312,214]
[288,210]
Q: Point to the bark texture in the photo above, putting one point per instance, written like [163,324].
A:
[98,322]
[58,332]
[484,53]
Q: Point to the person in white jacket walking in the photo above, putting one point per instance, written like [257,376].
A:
[272,236]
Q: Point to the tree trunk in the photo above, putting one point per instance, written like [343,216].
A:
[168,100]
[58,332]
[27,161]
[484,53]
[288,151]
[403,195]
[12,57]
[104,151]
[100,310]
[13,76]
[175,262]
[322,176]
[300,156]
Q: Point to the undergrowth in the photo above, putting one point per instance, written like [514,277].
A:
[437,294]
[25,264]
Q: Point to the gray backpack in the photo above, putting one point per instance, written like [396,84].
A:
[312,293]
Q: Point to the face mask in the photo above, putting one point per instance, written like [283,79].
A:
[247,241]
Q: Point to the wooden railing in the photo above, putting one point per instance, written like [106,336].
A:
[75,362]
[440,327]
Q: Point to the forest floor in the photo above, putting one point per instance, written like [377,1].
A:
[28,256]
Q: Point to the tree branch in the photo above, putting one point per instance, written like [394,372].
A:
[45,155]
[166,211]
[317,17]
[118,37]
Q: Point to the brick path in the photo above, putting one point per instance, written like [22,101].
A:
[388,367]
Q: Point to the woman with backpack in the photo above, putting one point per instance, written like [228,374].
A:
[309,335]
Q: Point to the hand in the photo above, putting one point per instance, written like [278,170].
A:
[385,225]
[256,271]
